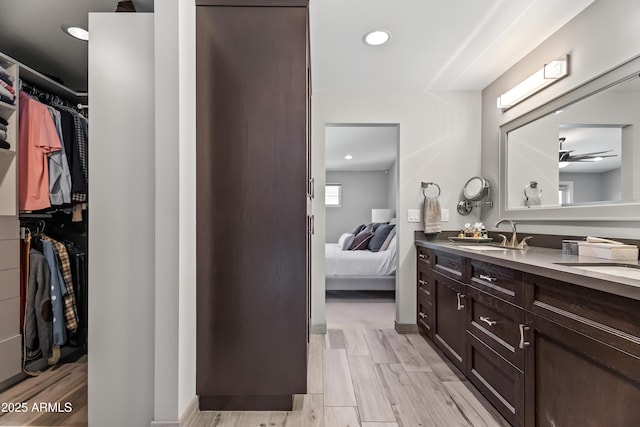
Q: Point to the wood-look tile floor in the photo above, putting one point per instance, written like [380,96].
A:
[363,373]
[62,390]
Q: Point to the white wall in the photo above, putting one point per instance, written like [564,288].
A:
[392,187]
[439,142]
[592,53]
[121,220]
[175,320]
[361,192]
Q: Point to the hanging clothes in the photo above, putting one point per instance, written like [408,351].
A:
[38,322]
[59,175]
[75,141]
[64,267]
[58,292]
[38,138]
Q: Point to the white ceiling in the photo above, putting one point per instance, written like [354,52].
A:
[30,33]
[373,147]
[435,44]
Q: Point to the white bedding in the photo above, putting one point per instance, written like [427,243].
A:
[359,263]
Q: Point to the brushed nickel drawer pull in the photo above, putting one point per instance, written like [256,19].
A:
[421,256]
[488,278]
[452,264]
[422,315]
[488,321]
[422,282]
[523,343]
[460,304]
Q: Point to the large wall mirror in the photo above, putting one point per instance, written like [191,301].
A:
[579,151]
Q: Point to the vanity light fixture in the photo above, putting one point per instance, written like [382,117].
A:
[376,37]
[348,157]
[549,74]
[76,32]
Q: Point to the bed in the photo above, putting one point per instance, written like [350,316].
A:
[361,269]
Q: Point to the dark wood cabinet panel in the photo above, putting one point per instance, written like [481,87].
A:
[574,380]
[496,323]
[251,206]
[497,379]
[424,257]
[501,282]
[449,324]
[424,283]
[425,317]
[609,318]
[449,265]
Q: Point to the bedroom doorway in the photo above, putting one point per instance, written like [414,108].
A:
[361,198]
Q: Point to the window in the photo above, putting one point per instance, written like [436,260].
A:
[332,194]
[565,192]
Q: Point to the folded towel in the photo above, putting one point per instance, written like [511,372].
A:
[432,215]
[601,240]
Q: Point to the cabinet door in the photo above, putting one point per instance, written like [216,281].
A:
[449,327]
[574,380]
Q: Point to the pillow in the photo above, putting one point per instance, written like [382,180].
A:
[387,241]
[345,241]
[379,237]
[361,241]
[358,229]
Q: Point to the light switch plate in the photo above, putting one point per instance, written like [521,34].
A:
[413,215]
[444,215]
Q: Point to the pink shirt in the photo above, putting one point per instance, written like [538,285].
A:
[38,138]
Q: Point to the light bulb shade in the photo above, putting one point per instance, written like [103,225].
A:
[550,73]
[76,32]
[563,164]
[382,215]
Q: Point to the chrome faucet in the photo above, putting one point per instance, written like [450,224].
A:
[514,239]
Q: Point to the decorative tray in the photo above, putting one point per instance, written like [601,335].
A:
[471,239]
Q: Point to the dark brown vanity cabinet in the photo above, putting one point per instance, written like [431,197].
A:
[542,351]
[251,169]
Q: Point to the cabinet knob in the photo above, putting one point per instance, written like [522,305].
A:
[488,321]
[422,315]
[523,343]
[421,256]
[488,278]
[460,304]
[422,282]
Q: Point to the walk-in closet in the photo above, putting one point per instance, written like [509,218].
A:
[43,248]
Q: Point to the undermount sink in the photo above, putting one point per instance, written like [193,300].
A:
[630,271]
[484,247]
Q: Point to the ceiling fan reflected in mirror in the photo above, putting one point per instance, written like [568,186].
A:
[565,157]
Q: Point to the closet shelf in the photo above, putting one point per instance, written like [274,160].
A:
[5,106]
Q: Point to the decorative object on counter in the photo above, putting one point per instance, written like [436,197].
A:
[476,233]
[432,213]
[477,193]
[570,247]
[607,249]
[532,194]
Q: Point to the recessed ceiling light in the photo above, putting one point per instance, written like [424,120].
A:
[376,37]
[75,31]
[348,157]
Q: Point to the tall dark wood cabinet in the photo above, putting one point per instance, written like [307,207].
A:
[252,284]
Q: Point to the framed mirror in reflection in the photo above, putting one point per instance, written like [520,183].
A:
[580,149]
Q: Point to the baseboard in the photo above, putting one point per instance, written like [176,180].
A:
[318,329]
[185,419]
[406,328]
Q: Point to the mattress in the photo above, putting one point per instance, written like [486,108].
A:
[358,263]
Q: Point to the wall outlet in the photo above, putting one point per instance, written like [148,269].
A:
[444,215]
[413,215]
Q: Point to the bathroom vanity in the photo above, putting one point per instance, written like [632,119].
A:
[545,341]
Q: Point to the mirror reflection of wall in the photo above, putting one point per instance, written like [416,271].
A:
[585,150]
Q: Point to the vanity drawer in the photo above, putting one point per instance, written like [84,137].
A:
[497,379]
[448,264]
[424,256]
[425,317]
[496,323]
[609,318]
[501,282]
[424,283]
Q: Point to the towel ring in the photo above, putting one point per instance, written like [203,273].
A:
[427,184]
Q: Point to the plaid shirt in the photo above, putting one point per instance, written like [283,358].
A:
[70,311]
